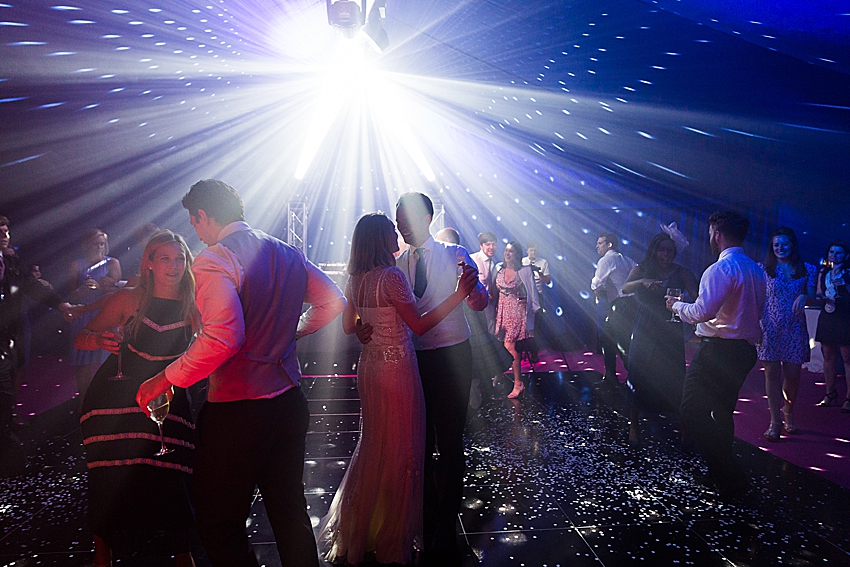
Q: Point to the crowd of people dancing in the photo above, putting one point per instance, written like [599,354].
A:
[232,316]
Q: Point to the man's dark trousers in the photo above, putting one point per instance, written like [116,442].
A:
[712,384]
[446,378]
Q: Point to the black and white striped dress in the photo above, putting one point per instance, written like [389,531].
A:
[134,496]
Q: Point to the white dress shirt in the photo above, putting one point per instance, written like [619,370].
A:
[543,264]
[442,270]
[731,299]
[219,277]
[612,271]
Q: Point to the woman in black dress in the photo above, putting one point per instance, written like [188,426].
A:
[136,499]
[657,350]
[834,321]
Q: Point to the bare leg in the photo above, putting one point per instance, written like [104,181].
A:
[518,385]
[102,553]
[184,560]
[790,389]
[830,353]
[773,387]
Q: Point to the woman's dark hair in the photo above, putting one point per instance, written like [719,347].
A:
[518,254]
[795,260]
[649,267]
[372,243]
[843,244]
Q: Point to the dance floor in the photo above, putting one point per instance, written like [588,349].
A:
[550,481]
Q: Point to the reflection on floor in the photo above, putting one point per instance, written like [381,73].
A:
[550,481]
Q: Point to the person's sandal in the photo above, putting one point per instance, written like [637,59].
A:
[830,399]
[772,433]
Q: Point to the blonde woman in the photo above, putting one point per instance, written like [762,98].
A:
[133,494]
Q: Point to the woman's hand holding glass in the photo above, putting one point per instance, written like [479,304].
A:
[675,294]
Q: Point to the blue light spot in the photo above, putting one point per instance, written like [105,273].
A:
[22,160]
[13,99]
[14,24]
[120,11]
[95,105]
[23,43]
[584,294]
[81,22]
[645,135]
[698,131]
[60,53]
[50,105]
[65,8]
[117,90]
[110,36]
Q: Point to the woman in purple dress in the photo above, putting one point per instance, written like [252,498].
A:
[784,345]
[517,304]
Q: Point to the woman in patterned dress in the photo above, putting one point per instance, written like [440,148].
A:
[785,340]
[834,322]
[136,499]
[376,514]
[518,302]
[91,277]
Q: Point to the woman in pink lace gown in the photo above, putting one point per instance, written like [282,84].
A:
[376,513]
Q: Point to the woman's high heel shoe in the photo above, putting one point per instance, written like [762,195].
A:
[515,393]
[772,433]
[830,399]
[845,407]
[790,424]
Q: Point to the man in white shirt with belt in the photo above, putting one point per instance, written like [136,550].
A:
[612,271]
[445,360]
[727,313]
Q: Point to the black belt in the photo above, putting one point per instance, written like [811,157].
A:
[722,340]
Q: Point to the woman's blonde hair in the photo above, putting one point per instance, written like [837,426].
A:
[187,283]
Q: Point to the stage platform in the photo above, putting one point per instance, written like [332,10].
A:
[550,480]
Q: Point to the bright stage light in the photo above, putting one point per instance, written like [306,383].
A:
[365,19]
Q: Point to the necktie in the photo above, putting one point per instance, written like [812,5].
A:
[420,281]
[489,273]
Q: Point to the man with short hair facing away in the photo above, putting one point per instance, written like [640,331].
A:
[252,429]
[726,313]
[612,271]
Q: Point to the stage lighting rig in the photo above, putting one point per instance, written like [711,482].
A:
[350,17]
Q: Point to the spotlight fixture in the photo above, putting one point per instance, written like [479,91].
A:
[349,17]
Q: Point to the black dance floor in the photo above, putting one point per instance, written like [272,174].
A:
[550,482]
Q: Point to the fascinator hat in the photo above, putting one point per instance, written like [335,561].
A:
[673,232]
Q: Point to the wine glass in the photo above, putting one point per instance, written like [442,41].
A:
[159,409]
[676,293]
[118,335]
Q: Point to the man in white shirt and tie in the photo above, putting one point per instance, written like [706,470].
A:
[612,271]
[726,313]
[486,263]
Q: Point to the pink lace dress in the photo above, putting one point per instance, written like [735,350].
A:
[377,510]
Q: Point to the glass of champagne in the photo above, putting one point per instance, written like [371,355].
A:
[118,335]
[676,293]
[159,407]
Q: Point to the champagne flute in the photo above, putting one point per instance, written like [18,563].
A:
[118,335]
[676,293]
[159,407]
